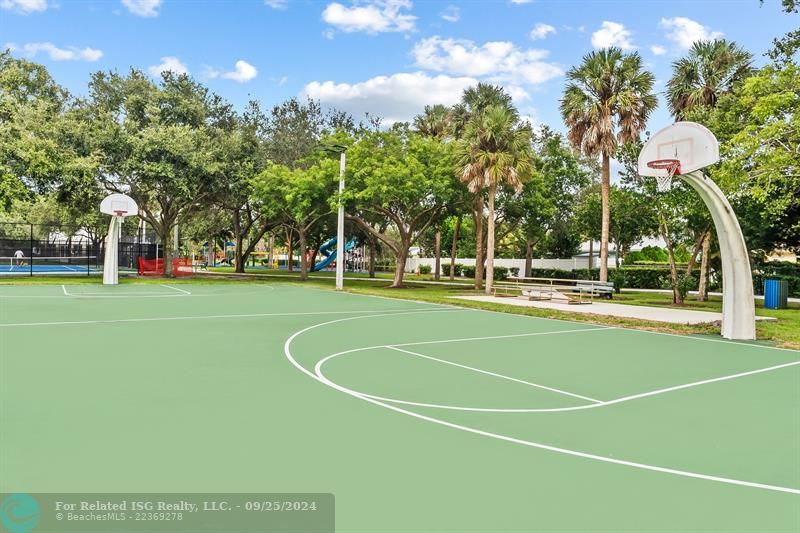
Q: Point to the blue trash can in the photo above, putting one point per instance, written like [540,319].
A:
[776,294]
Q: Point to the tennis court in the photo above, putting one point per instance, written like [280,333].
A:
[418,417]
[85,265]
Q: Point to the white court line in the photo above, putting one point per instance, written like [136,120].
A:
[176,289]
[488,373]
[206,317]
[101,295]
[514,313]
[513,335]
[318,371]
[684,473]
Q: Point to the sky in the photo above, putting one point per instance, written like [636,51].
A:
[386,57]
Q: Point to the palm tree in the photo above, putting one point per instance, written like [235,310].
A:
[434,121]
[710,70]
[495,150]
[607,101]
[473,103]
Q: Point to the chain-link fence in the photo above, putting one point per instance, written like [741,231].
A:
[42,249]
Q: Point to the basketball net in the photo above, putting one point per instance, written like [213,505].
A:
[672,168]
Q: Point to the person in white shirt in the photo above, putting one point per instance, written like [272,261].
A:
[19,257]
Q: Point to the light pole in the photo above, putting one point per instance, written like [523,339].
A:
[340,242]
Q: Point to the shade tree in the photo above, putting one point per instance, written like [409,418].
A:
[403,178]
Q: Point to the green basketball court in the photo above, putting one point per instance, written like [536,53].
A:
[417,417]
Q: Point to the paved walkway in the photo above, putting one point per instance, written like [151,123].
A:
[656,314]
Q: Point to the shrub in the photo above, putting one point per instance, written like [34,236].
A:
[514,271]
[500,273]
[469,271]
[618,278]
[685,284]
[424,269]
[457,268]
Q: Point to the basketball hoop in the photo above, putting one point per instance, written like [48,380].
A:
[672,168]
[120,212]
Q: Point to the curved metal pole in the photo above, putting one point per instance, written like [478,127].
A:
[738,305]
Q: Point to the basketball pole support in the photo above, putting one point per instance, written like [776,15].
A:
[111,260]
[738,303]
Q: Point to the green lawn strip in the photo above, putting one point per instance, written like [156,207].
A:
[784,333]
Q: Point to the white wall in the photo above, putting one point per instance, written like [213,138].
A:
[576,263]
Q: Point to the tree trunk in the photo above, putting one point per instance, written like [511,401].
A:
[373,250]
[437,252]
[490,241]
[238,241]
[528,258]
[290,250]
[478,240]
[454,248]
[677,299]
[616,255]
[212,259]
[605,193]
[271,252]
[167,251]
[702,289]
[301,231]
[400,265]
[591,253]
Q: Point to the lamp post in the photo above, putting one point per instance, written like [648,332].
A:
[340,241]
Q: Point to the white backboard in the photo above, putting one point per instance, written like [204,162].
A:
[114,204]
[691,143]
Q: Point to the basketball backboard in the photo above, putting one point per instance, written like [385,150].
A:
[690,143]
[119,205]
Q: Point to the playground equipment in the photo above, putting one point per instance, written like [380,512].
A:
[682,150]
[118,206]
[330,255]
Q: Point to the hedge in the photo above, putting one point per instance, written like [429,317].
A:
[500,272]
[458,268]
[634,278]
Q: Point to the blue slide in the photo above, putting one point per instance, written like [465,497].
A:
[330,255]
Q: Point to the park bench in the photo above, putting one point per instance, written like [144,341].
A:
[571,291]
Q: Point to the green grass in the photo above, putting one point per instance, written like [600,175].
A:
[141,388]
[784,333]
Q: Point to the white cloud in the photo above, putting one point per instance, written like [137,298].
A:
[143,8]
[70,53]
[520,2]
[277,4]
[685,32]
[374,16]
[501,60]
[394,98]
[24,6]
[242,72]
[541,31]
[168,63]
[329,34]
[658,50]
[451,14]
[612,34]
